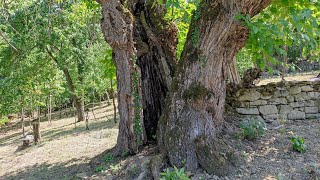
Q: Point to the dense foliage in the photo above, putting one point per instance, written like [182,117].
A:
[41,41]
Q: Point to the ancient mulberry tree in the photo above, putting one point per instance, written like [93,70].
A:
[192,117]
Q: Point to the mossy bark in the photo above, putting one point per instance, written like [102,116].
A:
[196,106]
[139,25]
[155,40]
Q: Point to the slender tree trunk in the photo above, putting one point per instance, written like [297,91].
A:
[87,121]
[285,60]
[36,132]
[22,121]
[50,108]
[117,27]
[114,104]
[31,107]
[65,109]
[108,96]
[194,117]
[79,103]
[39,113]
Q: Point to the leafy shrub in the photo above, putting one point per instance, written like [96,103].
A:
[3,121]
[177,174]
[298,144]
[252,129]
[108,158]
[100,168]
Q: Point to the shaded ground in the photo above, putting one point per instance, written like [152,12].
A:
[64,150]
[272,157]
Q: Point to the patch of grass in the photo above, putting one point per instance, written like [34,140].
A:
[99,168]
[280,176]
[110,163]
[252,129]
[108,158]
[133,169]
[3,121]
[298,144]
[176,174]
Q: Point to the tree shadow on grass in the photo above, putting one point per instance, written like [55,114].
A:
[58,171]
[93,126]
[74,169]
[5,140]
[56,116]
[57,132]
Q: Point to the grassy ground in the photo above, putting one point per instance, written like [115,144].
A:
[65,150]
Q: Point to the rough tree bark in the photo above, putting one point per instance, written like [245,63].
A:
[189,128]
[117,27]
[156,41]
[233,73]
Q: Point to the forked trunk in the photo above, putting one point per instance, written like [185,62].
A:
[188,129]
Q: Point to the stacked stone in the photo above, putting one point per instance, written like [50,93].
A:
[292,100]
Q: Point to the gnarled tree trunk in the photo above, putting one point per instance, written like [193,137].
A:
[117,27]
[194,116]
[156,41]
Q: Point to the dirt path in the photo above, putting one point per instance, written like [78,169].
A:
[64,151]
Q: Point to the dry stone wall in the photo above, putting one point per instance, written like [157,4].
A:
[290,100]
